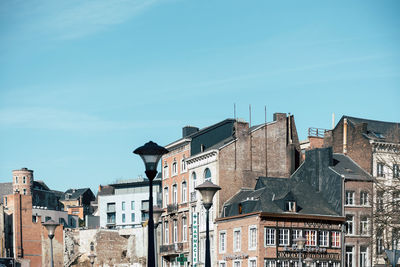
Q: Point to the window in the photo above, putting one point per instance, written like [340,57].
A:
[165,197]
[363,256]
[24,180]
[175,193]
[324,238]
[379,201]
[283,237]
[16,179]
[269,263]
[285,263]
[174,168]
[123,205]
[132,217]
[166,233]
[222,241]
[350,224]
[111,218]
[184,229]
[311,237]
[349,197]
[349,256]
[236,239]
[222,264]
[184,192]
[111,207]
[296,234]
[145,205]
[364,201]
[270,236]
[165,171]
[145,216]
[183,165]
[396,171]
[323,264]
[396,200]
[207,174]
[364,226]
[252,237]
[132,205]
[379,241]
[335,264]
[380,169]
[5,201]
[123,217]
[252,262]
[175,231]
[24,191]
[291,206]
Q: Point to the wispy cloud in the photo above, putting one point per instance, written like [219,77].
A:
[74,19]
[54,119]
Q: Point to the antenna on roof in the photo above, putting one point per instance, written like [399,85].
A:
[234,111]
[249,115]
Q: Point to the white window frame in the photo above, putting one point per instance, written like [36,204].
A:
[222,264]
[350,198]
[269,232]
[350,223]
[183,165]
[166,232]
[364,198]
[222,241]
[380,169]
[184,229]
[237,261]
[250,260]
[269,263]
[184,192]
[237,243]
[364,225]
[324,238]
[311,237]
[336,239]
[175,233]
[284,237]
[174,169]
[166,196]
[253,242]
[175,194]
[364,257]
[165,171]
[296,233]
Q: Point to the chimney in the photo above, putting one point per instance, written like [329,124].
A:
[188,130]
[345,136]
[279,116]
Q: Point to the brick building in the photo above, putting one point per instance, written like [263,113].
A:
[258,226]
[229,153]
[375,146]
[77,201]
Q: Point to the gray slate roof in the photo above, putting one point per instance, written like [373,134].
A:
[74,194]
[345,166]
[271,194]
[378,130]
[5,189]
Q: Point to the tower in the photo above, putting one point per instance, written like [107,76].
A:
[22,181]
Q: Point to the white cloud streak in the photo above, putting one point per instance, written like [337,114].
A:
[54,119]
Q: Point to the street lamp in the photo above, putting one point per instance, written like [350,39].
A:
[308,261]
[300,241]
[157,211]
[151,154]
[51,226]
[207,191]
[92,256]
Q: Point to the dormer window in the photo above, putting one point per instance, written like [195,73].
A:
[291,206]
[240,209]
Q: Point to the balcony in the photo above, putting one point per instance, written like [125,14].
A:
[193,196]
[172,249]
[172,208]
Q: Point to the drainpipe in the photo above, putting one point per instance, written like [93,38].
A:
[345,136]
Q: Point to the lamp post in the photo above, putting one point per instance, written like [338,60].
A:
[207,191]
[92,257]
[157,211]
[51,226]
[300,241]
[308,261]
[151,154]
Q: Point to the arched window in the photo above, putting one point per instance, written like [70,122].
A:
[24,180]
[194,182]
[165,196]
[207,174]
[165,171]
[175,193]
[16,179]
[183,165]
[174,168]
[184,192]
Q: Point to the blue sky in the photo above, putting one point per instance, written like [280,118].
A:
[83,83]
